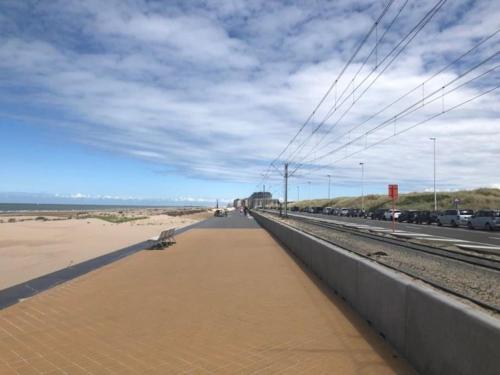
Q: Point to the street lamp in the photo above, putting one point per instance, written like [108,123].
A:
[433,139]
[362,186]
[298,193]
[329,183]
[309,189]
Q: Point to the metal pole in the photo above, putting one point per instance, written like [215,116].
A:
[329,182]
[286,189]
[362,186]
[264,196]
[435,193]
[298,193]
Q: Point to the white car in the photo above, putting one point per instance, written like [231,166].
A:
[485,219]
[344,211]
[390,213]
[454,217]
[328,210]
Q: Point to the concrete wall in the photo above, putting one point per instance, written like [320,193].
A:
[436,332]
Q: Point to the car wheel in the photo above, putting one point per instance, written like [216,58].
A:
[439,223]
[454,224]
[469,225]
[489,227]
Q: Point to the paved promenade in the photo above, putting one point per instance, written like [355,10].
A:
[225,299]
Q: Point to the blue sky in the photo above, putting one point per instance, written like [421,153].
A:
[190,101]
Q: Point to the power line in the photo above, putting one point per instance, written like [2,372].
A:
[465,54]
[415,106]
[353,56]
[397,133]
[335,106]
[410,36]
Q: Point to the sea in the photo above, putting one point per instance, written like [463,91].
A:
[15,207]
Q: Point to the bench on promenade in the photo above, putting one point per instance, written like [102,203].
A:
[165,238]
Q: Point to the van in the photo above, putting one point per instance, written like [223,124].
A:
[454,217]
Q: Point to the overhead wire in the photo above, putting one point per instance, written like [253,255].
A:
[416,105]
[334,83]
[410,36]
[397,133]
[420,85]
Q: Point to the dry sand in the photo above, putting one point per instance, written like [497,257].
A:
[33,248]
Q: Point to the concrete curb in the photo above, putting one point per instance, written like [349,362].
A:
[437,333]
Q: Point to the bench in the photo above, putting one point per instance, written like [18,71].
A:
[165,238]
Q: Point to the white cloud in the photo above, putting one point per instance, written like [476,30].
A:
[216,89]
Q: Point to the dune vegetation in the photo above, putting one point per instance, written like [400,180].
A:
[482,198]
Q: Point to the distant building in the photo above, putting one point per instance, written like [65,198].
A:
[257,199]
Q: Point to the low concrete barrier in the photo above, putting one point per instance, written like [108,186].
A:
[436,332]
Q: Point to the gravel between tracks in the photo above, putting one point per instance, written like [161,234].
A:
[472,281]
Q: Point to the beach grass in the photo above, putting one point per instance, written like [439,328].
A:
[483,198]
[116,219]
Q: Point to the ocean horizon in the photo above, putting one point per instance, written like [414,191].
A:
[16,207]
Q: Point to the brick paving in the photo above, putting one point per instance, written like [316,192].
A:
[219,301]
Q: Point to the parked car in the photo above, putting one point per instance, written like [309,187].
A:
[315,210]
[378,214]
[389,214]
[344,211]
[353,212]
[407,216]
[485,219]
[294,208]
[328,210]
[220,213]
[425,217]
[454,217]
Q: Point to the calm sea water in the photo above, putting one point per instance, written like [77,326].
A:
[66,207]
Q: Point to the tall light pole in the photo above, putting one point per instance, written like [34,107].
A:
[329,184]
[309,190]
[362,186]
[433,139]
[298,193]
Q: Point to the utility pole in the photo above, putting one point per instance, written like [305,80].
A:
[433,139]
[309,190]
[286,189]
[264,196]
[329,182]
[298,193]
[362,186]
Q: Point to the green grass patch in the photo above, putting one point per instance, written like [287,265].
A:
[116,219]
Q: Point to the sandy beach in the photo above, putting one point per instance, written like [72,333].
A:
[32,248]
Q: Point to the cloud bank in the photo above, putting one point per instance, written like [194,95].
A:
[215,89]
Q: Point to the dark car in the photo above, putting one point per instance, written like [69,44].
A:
[378,214]
[426,217]
[315,210]
[354,212]
[407,216]
[294,208]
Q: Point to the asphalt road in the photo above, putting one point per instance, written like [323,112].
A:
[479,236]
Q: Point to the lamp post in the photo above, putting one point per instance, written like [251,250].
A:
[309,190]
[329,184]
[298,193]
[433,139]
[362,186]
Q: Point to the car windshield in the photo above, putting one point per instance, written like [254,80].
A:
[466,212]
